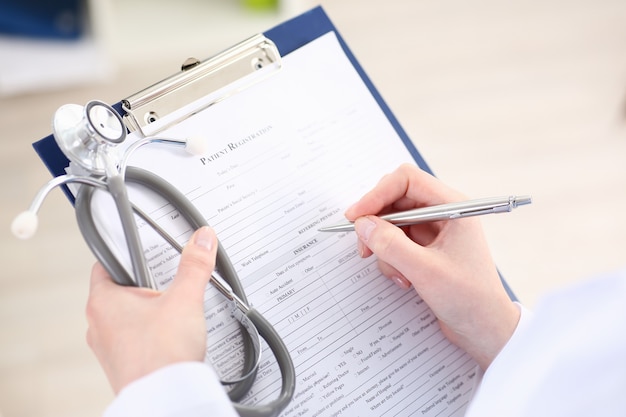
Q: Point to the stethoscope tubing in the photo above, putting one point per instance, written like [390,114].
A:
[92,145]
[196,220]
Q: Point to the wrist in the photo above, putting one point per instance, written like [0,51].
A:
[488,339]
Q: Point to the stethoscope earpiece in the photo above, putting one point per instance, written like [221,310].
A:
[25,225]
[197,145]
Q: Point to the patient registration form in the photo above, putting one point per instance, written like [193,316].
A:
[287,156]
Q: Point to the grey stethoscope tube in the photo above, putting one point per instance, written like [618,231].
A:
[88,136]
[104,254]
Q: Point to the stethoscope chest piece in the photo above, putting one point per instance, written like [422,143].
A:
[80,132]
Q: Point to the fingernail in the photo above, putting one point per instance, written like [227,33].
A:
[205,238]
[350,208]
[401,282]
[364,227]
[361,247]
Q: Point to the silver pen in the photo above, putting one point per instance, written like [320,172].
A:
[448,211]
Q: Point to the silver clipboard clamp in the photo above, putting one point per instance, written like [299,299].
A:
[239,67]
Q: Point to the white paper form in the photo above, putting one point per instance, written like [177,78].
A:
[288,156]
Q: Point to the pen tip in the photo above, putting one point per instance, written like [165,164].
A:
[348,227]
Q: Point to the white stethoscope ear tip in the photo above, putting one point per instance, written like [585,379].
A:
[25,225]
[197,145]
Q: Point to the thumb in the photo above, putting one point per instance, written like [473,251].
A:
[196,264]
[389,243]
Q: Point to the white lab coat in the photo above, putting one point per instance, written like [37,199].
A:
[567,359]
[189,389]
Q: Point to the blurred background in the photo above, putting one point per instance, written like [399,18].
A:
[501,97]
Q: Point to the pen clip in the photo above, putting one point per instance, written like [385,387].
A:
[501,208]
[469,213]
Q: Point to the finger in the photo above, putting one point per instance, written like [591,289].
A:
[364,251]
[407,184]
[394,275]
[425,189]
[99,284]
[388,190]
[196,264]
[99,277]
[389,243]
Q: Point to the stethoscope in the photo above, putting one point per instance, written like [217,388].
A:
[89,137]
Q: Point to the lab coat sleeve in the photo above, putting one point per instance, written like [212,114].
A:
[564,360]
[525,318]
[185,389]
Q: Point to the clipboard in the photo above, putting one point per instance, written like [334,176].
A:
[239,67]
[287,37]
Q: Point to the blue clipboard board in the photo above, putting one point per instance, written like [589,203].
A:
[288,37]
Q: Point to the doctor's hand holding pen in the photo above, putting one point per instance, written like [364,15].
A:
[448,263]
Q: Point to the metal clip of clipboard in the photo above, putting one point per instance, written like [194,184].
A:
[240,66]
